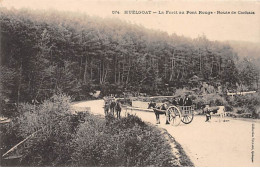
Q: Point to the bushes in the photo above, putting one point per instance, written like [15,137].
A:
[211,99]
[246,104]
[54,124]
[125,101]
[45,116]
[125,142]
[63,140]
[240,115]
[8,137]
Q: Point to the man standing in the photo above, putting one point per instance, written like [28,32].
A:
[118,109]
[106,107]
[112,106]
[161,110]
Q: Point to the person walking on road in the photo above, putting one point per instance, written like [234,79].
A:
[106,107]
[112,106]
[118,109]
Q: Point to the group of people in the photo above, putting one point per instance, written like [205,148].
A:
[114,106]
[186,102]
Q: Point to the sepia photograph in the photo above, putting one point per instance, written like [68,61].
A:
[130,83]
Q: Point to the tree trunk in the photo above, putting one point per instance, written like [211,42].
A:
[86,70]
[115,70]
[80,67]
[103,73]
[100,72]
[19,85]
[91,69]
[119,73]
[200,62]
[128,74]
[165,70]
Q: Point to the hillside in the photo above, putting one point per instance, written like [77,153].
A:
[44,53]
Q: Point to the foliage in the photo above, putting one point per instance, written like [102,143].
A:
[53,125]
[240,115]
[43,116]
[125,142]
[246,104]
[7,95]
[50,52]
[248,74]
[61,139]
[9,137]
[210,99]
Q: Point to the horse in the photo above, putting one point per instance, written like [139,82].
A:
[160,111]
[118,109]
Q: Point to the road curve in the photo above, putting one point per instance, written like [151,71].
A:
[233,143]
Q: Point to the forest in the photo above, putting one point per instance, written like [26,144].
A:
[47,52]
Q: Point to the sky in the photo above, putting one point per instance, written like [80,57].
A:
[221,27]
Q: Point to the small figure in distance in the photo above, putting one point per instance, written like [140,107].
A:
[106,107]
[180,101]
[174,101]
[207,113]
[112,106]
[164,107]
[187,100]
[118,109]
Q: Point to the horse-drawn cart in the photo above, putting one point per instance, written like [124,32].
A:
[177,114]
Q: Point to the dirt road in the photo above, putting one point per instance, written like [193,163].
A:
[232,143]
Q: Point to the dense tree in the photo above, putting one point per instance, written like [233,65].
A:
[77,54]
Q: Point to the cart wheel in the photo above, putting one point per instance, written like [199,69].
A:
[174,115]
[187,118]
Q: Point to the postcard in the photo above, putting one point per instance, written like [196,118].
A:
[133,83]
